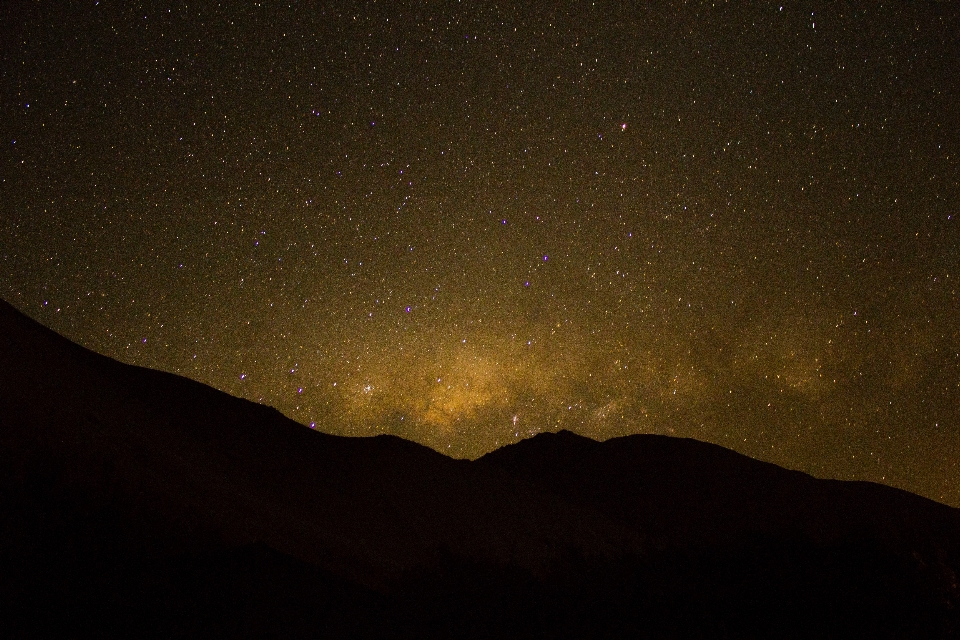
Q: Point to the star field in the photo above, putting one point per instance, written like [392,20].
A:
[467,223]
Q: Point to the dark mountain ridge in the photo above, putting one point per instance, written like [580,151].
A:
[681,492]
[240,472]
[141,503]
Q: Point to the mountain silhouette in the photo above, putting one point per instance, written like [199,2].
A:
[138,503]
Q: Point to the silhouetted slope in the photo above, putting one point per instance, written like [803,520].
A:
[124,462]
[683,492]
[137,503]
[759,531]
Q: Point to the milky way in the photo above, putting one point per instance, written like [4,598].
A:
[468,223]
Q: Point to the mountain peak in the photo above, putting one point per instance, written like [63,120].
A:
[137,495]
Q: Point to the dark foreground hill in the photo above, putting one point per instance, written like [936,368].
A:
[135,503]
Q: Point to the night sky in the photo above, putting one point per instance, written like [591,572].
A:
[465,223]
